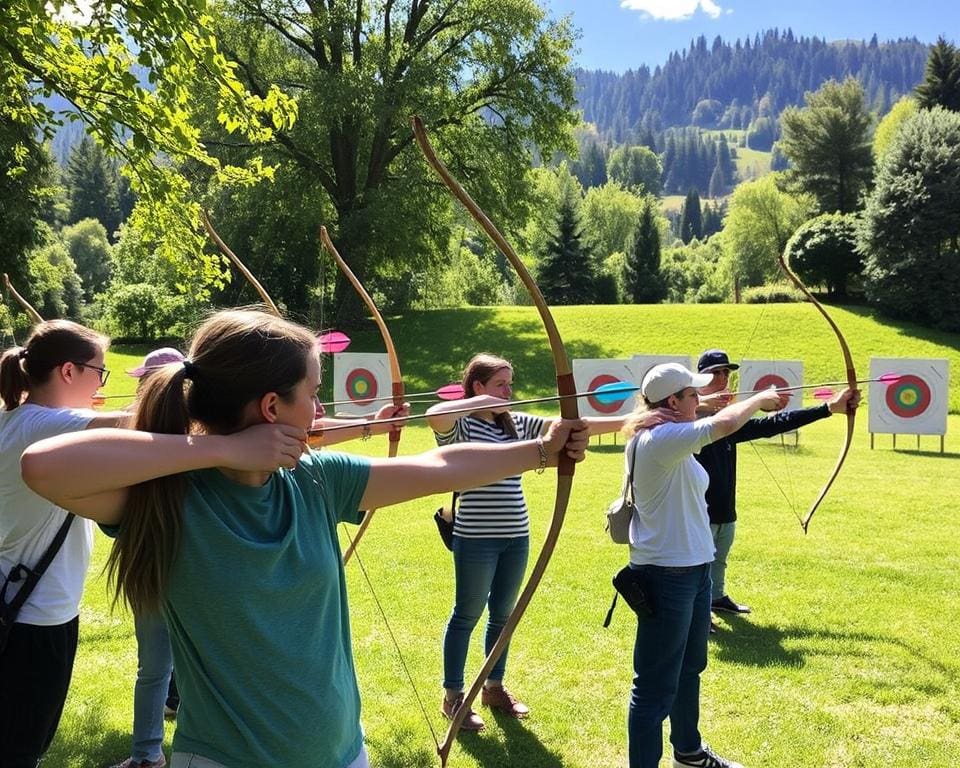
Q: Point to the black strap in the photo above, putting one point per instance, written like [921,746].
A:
[9,611]
[606,621]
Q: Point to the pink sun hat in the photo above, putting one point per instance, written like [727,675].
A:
[157,359]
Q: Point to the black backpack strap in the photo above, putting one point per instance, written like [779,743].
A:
[606,621]
[9,611]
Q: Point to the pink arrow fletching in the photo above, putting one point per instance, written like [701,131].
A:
[823,393]
[889,378]
[332,342]
[452,391]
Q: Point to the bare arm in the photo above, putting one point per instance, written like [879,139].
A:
[596,425]
[467,465]
[90,473]
[120,419]
[735,415]
[359,427]
[440,421]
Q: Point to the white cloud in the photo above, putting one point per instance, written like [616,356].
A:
[673,10]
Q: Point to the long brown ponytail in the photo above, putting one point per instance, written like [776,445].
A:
[236,357]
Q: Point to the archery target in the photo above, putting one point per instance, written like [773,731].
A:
[590,374]
[763,374]
[643,363]
[361,379]
[915,404]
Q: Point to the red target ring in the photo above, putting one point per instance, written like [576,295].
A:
[770,380]
[909,397]
[361,386]
[595,383]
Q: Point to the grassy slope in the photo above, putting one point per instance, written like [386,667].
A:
[847,659]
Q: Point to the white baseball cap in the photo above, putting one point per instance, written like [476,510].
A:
[667,379]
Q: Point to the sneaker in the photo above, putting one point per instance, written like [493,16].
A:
[726,604]
[472,722]
[705,758]
[131,763]
[169,713]
[500,698]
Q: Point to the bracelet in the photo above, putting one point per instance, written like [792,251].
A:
[366,432]
[543,456]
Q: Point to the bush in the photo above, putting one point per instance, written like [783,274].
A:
[146,311]
[774,293]
[823,252]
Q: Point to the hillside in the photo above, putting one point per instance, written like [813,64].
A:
[730,85]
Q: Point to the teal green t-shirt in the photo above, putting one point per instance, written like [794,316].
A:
[258,620]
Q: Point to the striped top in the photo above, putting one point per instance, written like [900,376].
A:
[497,510]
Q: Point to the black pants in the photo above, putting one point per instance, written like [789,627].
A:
[35,670]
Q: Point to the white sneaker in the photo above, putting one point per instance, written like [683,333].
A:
[705,758]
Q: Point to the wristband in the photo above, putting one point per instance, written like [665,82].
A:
[543,456]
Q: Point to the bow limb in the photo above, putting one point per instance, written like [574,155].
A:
[568,409]
[396,378]
[235,260]
[851,374]
[27,306]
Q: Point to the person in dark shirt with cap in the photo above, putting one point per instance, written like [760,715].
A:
[719,459]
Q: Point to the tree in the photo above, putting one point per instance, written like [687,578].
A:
[89,248]
[636,167]
[28,185]
[92,186]
[888,127]
[910,230]
[566,272]
[129,73]
[760,220]
[941,80]
[828,145]
[691,218]
[642,282]
[490,80]
[610,214]
[823,252]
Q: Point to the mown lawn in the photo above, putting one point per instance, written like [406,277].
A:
[848,659]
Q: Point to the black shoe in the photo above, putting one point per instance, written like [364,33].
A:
[705,758]
[726,604]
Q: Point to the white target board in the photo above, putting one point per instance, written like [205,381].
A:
[588,374]
[643,363]
[361,382]
[763,374]
[915,403]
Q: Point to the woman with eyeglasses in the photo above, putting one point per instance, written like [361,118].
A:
[46,386]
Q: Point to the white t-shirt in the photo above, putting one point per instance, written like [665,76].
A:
[28,522]
[670,526]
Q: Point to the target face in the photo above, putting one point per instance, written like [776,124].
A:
[361,386]
[769,380]
[590,374]
[606,408]
[914,404]
[360,380]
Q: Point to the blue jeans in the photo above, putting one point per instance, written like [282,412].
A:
[723,534]
[488,572]
[668,657]
[154,665]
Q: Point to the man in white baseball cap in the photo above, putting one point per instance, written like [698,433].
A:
[668,379]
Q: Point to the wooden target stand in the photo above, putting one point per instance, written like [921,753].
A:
[894,436]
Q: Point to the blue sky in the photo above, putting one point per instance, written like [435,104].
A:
[623,34]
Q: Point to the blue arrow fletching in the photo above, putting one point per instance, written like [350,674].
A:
[615,392]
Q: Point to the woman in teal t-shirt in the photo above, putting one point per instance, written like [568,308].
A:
[226,523]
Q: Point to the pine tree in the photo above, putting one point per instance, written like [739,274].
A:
[691,218]
[567,273]
[718,184]
[941,81]
[92,186]
[642,282]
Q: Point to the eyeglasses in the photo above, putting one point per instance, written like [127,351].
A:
[104,373]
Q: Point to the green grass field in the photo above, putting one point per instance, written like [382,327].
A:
[848,659]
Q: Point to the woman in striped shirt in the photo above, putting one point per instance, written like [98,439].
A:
[491,535]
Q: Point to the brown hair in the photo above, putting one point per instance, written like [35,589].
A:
[481,369]
[52,343]
[236,357]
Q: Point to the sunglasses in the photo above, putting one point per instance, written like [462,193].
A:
[104,372]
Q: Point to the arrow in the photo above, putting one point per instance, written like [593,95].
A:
[887,378]
[615,391]
[447,392]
